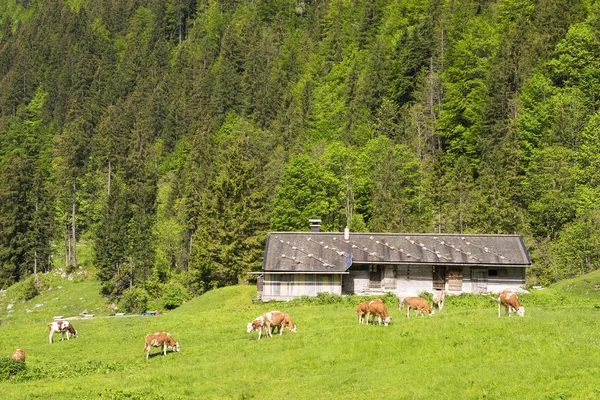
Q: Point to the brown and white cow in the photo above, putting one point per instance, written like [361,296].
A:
[280,320]
[416,303]
[438,299]
[19,355]
[62,327]
[160,339]
[259,324]
[510,300]
[379,310]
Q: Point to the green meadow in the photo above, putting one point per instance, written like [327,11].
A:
[463,352]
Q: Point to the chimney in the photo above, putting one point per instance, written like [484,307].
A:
[315,225]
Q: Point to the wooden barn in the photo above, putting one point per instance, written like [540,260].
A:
[306,263]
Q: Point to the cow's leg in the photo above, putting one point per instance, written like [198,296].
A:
[164,349]
[499,310]
[51,336]
[260,332]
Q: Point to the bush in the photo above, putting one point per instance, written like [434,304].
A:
[174,295]
[9,368]
[29,289]
[471,300]
[134,300]
[153,288]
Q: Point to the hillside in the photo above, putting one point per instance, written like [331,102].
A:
[69,297]
[60,294]
[173,135]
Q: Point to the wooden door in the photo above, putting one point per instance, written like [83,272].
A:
[455,278]
[375,276]
[439,278]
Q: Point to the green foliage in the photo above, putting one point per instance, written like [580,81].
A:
[11,369]
[173,296]
[29,289]
[173,135]
[306,191]
[38,372]
[134,300]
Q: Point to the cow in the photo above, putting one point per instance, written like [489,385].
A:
[280,320]
[19,355]
[361,310]
[62,327]
[379,310]
[159,339]
[258,324]
[418,304]
[438,299]
[510,300]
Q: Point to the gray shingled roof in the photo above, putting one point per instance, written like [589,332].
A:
[325,252]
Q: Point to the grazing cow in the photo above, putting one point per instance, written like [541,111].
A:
[159,339]
[362,310]
[418,304]
[19,355]
[260,323]
[379,310]
[280,320]
[510,300]
[438,299]
[62,327]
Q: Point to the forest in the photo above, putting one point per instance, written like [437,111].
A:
[166,138]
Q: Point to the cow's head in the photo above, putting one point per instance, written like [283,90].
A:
[387,321]
[431,312]
[255,325]
[521,311]
[175,347]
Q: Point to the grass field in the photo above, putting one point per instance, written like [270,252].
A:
[463,352]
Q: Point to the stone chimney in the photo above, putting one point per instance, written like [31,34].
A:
[315,225]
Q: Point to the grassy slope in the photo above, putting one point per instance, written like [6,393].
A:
[58,296]
[459,353]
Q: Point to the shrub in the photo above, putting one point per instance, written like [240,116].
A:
[9,368]
[174,295]
[153,288]
[134,300]
[471,300]
[29,289]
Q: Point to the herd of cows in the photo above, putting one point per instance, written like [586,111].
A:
[268,321]
[372,309]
